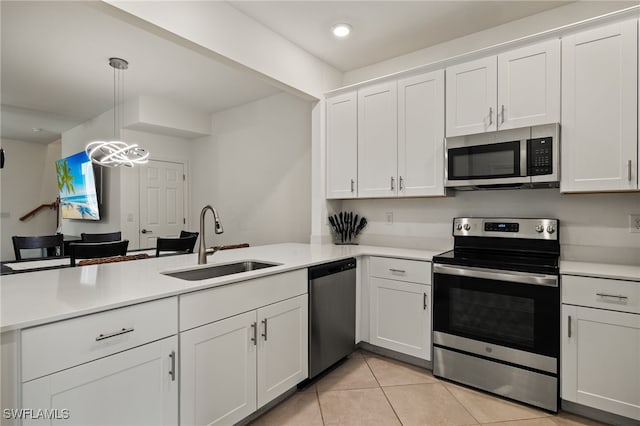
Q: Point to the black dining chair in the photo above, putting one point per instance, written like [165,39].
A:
[83,250]
[54,244]
[101,238]
[188,233]
[180,245]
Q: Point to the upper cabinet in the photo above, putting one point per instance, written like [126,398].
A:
[399,129]
[518,88]
[600,109]
[378,140]
[342,145]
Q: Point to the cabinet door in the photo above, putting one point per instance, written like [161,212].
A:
[529,86]
[421,135]
[134,387]
[342,146]
[283,347]
[599,109]
[601,359]
[378,140]
[471,97]
[400,316]
[219,371]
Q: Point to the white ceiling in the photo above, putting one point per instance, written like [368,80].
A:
[55,72]
[382,29]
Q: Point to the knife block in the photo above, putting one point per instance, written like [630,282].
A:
[337,240]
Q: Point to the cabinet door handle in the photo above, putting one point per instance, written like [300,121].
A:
[400,183]
[254,339]
[629,163]
[569,327]
[424,301]
[352,185]
[398,271]
[114,334]
[264,321]
[392,182]
[502,115]
[172,371]
[490,116]
[614,296]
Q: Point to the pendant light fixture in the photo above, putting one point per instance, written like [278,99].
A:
[117,153]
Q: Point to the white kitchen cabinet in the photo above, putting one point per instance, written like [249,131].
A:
[601,359]
[342,146]
[600,351]
[421,135]
[218,371]
[135,387]
[399,310]
[599,109]
[378,140]
[233,366]
[518,88]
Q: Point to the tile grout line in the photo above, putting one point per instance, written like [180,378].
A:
[460,402]
[319,405]
[382,389]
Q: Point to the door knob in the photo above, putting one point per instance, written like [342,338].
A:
[144,231]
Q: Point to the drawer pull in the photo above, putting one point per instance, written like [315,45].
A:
[569,327]
[397,271]
[172,372]
[620,297]
[114,334]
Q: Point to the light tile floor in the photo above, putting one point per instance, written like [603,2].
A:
[369,389]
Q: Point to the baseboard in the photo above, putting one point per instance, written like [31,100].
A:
[595,414]
[268,406]
[409,359]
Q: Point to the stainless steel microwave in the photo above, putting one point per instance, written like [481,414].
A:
[517,158]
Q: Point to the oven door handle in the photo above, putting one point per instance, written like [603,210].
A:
[497,274]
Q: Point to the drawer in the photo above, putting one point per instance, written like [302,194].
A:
[56,346]
[205,306]
[414,271]
[615,295]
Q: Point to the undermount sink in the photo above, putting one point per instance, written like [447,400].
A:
[220,270]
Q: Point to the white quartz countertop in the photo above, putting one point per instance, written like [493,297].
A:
[35,298]
[601,270]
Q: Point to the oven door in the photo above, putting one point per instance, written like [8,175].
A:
[488,164]
[506,315]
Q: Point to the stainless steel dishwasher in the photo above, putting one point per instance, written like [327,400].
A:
[332,313]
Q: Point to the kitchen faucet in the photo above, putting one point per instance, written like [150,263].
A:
[202,249]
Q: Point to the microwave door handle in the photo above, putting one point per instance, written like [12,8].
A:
[523,158]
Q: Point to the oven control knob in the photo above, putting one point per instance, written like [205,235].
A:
[539,228]
[459,226]
[467,226]
[551,229]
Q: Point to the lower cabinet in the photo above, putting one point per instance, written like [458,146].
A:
[138,386]
[230,368]
[601,344]
[399,310]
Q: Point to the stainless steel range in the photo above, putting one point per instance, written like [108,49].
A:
[496,314]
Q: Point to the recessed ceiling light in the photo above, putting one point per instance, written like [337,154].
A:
[341,30]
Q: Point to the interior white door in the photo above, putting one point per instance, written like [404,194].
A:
[400,317]
[529,86]
[133,387]
[161,201]
[218,371]
[378,140]
[421,135]
[601,359]
[283,360]
[600,110]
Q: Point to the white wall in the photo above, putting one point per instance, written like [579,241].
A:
[544,21]
[592,226]
[27,180]
[255,170]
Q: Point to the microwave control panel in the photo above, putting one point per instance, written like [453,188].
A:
[539,155]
